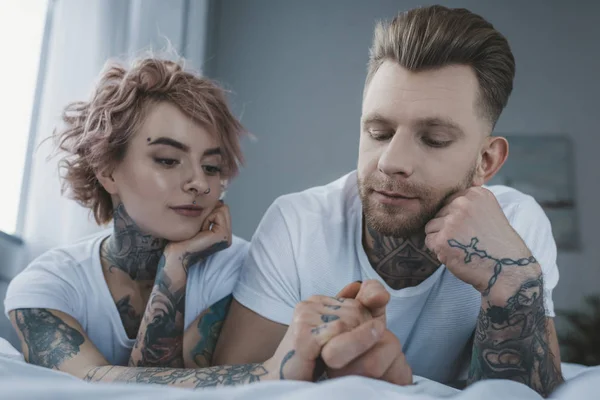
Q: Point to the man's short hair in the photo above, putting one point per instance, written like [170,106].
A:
[435,36]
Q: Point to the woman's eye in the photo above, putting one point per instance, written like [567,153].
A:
[167,162]
[211,169]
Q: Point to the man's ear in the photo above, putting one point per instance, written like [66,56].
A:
[493,155]
[107,181]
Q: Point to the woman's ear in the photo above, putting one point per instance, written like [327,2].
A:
[107,181]
[493,155]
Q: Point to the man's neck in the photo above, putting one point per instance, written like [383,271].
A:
[130,250]
[401,262]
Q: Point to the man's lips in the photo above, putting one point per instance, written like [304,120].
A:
[395,195]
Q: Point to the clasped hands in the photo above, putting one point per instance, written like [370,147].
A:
[343,335]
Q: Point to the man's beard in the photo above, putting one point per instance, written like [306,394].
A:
[395,221]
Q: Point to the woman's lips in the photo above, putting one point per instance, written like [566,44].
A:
[188,211]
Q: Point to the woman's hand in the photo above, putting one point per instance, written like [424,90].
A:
[214,236]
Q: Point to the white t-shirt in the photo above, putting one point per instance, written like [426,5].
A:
[70,279]
[310,243]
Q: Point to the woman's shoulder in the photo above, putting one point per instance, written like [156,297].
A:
[63,258]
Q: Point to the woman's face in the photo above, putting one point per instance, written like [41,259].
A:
[170,163]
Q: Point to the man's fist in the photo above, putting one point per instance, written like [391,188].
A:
[473,238]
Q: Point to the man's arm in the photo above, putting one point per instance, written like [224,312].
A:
[55,340]
[247,337]
[515,340]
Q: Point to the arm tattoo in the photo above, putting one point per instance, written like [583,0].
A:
[209,327]
[131,319]
[511,342]
[198,378]
[162,329]
[190,259]
[50,341]
[472,250]
[286,358]
[401,262]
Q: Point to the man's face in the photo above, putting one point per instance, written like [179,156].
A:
[421,135]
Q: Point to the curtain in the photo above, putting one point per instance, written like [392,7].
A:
[83,35]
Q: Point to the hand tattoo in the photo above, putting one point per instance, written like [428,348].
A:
[329,318]
[286,358]
[50,341]
[472,250]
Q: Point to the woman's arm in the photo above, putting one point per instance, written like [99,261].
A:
[159,340]
[200,338]
[55,340]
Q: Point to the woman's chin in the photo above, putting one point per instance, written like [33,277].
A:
[179,235]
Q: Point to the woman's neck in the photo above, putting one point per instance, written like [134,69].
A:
[130,250]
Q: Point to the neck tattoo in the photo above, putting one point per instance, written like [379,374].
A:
[401,262]
[130,250]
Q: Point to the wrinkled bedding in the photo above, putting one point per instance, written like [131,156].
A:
[19,380]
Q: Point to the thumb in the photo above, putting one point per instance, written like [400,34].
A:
[350,290]
[374,297]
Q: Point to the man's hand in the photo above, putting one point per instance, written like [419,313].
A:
[346,354]
[473,238]
[316,321]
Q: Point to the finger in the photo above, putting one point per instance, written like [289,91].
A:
[372,364]
[430,242]
[374,297]
[434,225]
[344,348]
[350,290]
[399,373]
[328,309]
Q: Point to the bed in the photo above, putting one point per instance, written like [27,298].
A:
[19,380]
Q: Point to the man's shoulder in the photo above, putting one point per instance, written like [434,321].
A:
[515,203]
[509,197]
[331,199]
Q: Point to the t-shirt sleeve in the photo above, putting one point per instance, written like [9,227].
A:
[44,284]
[269,283]
[532,224]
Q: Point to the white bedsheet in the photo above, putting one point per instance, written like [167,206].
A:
[19,380]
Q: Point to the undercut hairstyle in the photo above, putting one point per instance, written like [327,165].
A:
[96,132]
[433,37]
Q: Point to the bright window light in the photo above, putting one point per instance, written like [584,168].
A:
[21,34]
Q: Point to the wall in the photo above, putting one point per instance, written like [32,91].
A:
[296,69]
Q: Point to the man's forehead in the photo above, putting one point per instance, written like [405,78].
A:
[396,93]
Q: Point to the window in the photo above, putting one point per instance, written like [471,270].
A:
[21,35]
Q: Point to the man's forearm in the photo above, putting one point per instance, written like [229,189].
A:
[159,341]
[189,378]
[511,340]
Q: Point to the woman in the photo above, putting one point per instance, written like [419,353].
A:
[152,150]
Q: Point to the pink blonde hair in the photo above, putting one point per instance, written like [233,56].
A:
[98,131]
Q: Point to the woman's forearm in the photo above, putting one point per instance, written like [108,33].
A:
[190,378]
[159,340]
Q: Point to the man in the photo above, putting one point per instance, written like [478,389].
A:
[470,270]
